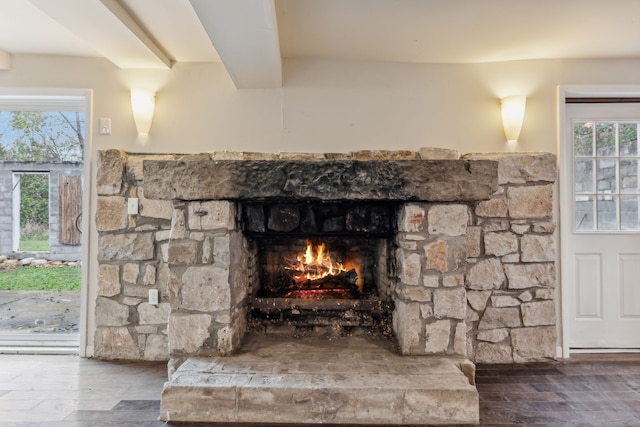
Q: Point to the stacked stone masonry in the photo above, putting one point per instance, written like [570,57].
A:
[474,278]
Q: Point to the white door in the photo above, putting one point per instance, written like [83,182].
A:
[601,225]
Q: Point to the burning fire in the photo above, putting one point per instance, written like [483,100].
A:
[314,264]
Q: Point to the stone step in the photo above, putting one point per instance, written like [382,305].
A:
[354,380]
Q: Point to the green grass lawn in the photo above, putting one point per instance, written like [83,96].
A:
[40,279]
[35,243]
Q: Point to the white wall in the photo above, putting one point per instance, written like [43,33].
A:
[324,106]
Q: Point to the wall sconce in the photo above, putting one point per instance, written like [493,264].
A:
[513,116]
[143,104]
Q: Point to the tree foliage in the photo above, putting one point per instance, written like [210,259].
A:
[42,136]
[34,199]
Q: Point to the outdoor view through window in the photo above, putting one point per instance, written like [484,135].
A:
[41,155]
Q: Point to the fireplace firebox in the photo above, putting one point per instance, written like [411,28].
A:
[321,264]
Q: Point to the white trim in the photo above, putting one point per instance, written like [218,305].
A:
[564,92]
[46,99]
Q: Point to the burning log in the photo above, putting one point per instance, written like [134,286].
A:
[342,280]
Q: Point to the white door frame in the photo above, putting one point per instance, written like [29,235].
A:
[71,99]
[564,150]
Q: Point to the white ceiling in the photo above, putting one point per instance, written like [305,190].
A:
[250,37]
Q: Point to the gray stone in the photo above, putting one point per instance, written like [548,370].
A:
[539,313]
[149,277]
[533,344]
[531,275]
[110,173]
[428,180]
[520,228]
[500,244]
[156,348]
[449,303]
[493,353]
[221,249]
[504,301]
[126,247]
[493,335]
[130,272]
[448,220]
[283,218]
[496,318]
[188,332]
[452,280]
[431,280]
[414,293]
[460,342]
[178,224]
[486,274]
[206,289]
[108,280]
[544,227]
[536,248]
[162,209]
[495,225]
[530,202]
[544,293]
[525,296]
[111,213]
[111,313]
[437,337]
[115,343]
[407,325]
[520,168]
[154,315]
[478,299]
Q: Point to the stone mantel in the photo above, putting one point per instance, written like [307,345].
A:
[406,180]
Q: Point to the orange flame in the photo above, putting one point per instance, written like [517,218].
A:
[314,264]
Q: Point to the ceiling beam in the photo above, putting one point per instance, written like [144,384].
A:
[109,29]
[245,35]
[5,60]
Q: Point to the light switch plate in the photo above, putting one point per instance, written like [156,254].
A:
[105,126]
[132,206]
[153,296]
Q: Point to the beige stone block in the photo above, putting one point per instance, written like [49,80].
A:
[449,303]
[126,247]
[178,224]
[520,168]
[111,313]
[115,343]
[414,293]
[431,280]
[448,220]
[472,241]
[524,276]
[221,250]
[407,325]
[545,293]
[460,340]
[500,243]
[437,337]
[183,252]
[544,227]
[525,296]
[206,289]
[162,209]
[493,353]
[536,248]
[486,274]
[409,267]
[533,344]
[494,208]
[493,335]
[130,272]
[111,213]
[496,318]
[520,228]
[539,313]
[411,218]
[437,254]
[530,202]
[134,163]
[188,332]
[452,280]
[432,153]
[504,301]
[149,277]
[108,280]
[212,215]
[152,314]
[110,172]
[495,225]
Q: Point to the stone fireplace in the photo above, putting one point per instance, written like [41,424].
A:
[448,258]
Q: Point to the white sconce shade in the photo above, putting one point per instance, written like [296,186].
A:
[143,104]
[513,116]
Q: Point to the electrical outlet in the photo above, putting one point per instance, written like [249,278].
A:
[153,296]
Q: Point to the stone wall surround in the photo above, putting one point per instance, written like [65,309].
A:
[475,278]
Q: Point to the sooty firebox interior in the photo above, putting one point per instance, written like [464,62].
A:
[321,263]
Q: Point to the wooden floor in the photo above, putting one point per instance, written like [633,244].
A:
[585,390]
[66,391]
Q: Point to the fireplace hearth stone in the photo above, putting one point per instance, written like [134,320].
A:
[348,380]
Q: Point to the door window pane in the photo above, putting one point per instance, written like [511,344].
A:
[607,213]
[584,179]
[629,176]
[629,219]
[585,208]
[583,139]
[606,139]
[628,139]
